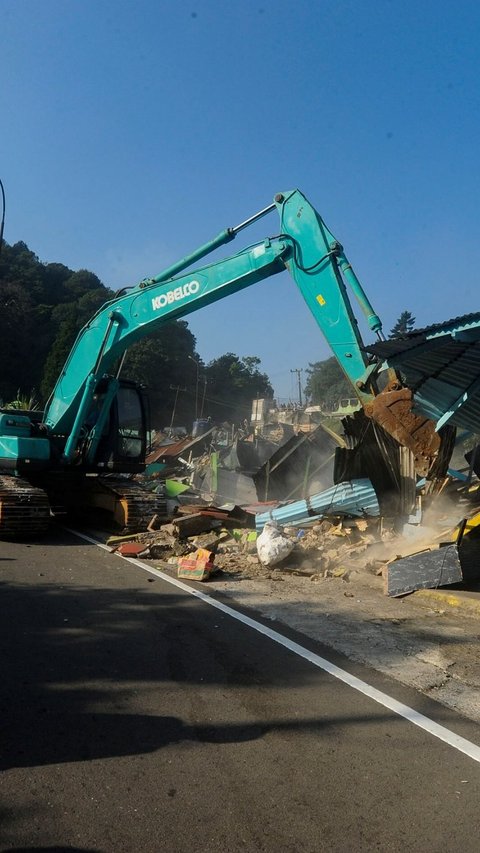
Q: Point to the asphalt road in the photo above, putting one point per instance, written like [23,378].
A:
[136,718]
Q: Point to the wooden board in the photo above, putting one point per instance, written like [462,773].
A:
[425,570]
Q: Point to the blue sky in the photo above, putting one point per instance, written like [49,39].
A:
[133,131]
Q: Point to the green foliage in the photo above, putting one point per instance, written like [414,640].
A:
[232,384]
[28,402]
[327,382]
[404,324]
[43,308]
[163,362]
[17,336]
[20,266]
[65,336]
[67,320]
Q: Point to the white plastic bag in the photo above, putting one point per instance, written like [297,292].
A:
[273,545]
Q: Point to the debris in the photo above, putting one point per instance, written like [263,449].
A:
[210,540]
[154,523]
[158,550]
[174,488]
[195,523]
[246,539]
[230,514]
[305,461]
[198,567]
[424,570]
[353,527]
[115,540]
[339,572]
[132,549]
[273,545]
[355,497]
[360,524]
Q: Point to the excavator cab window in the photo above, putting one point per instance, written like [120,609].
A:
[122,445]
[131,428]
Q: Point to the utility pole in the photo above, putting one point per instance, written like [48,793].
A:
[299,372]
[2,224]
[203,397]
[175,388]
[196,385]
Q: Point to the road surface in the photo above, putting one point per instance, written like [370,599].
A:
[135,717]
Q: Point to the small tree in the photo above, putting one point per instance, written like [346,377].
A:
[327,381]
[27,402]
[404,325]
[233,383]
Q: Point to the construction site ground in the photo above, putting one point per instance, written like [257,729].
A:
[428,640]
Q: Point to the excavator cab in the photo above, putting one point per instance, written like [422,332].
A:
[123,443]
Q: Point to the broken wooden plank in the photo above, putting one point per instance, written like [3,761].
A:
[192,525]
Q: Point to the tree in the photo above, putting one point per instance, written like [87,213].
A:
[404,325]
[43,308]
[232,384]
[326,381]
[82,282]
[17,339]
[20,279]
[164,361]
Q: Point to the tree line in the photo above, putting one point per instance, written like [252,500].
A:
[44,306]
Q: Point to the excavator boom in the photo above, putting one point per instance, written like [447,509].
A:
[304,246]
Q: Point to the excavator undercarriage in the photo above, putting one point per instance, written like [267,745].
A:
[24,509]
[27,510]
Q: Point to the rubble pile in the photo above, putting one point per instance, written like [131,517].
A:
[356,526]
[225,538]
[200,540]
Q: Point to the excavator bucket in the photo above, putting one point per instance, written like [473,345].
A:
[392,410]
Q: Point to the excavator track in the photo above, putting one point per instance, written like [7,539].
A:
[111,501]
[24,509]
[131,506]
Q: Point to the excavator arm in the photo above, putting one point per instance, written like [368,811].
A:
[136,314]
[304,246]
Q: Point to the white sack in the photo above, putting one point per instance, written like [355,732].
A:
[273,545]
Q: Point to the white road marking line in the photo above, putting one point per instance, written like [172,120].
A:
[456,741]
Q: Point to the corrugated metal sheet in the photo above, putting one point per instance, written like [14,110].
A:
[441,364]
[178,448]
[463,321]
[463,324]
[356,498]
